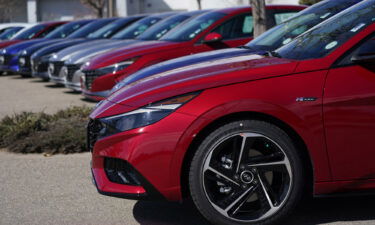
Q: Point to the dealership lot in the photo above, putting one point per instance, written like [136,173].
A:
[19,94]
[57,190]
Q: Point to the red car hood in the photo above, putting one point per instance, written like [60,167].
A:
[4,44]
[130,51]
[194,78]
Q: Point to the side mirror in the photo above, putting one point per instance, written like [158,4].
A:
[365,54]
[212,37]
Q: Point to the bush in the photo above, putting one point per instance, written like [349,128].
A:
[63,132]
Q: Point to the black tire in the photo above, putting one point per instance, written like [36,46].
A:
[234,187]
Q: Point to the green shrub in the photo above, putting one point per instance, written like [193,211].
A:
[63,132]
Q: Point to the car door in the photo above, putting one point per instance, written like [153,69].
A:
[235,32]
[349,115]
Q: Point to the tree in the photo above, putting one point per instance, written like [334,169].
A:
[97,5]
[259,16]
[308,2]
[199,4]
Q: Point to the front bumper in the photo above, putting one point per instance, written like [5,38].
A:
[151,151]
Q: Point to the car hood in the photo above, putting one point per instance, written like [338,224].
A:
[185,61]
[67,52]
[55,47]
[15,48]
[52,44]
[196,77]
[130,51]
[86,54]
[4,44]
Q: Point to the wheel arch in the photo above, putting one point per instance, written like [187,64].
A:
[295,137]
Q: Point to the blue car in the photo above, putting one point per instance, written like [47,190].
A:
[97,29]
[79,35]
[14,51]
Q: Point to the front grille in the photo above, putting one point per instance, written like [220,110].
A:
[93,129]
[57,67]
[90,76]
[7,59]
[42,67]
[72,68]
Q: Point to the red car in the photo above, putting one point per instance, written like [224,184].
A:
[38,31]
[246,137]
[216,29]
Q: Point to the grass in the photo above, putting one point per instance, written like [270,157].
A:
[63,132]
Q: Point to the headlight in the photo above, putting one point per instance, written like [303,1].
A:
[143,116]
[46,57]
[116,67]
[21,61]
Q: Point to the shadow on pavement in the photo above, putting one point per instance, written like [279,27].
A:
[54,85]
[343,210]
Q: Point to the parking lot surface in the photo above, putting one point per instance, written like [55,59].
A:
[25,94]
[57,190]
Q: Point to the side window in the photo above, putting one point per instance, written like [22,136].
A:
[346,59]
[283,16]
[238,27]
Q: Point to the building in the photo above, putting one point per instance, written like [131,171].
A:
[48,10]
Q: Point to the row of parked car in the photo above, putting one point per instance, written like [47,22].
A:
[194,108]
[93,55]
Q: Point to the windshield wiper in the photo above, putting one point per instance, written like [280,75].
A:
[246,47]
[274,54]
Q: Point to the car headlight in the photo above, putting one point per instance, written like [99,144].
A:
[144,116]
[117,66]
[21,61]
[46,57]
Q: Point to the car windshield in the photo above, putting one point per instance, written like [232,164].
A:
[9,33]
[110,29]
[288,30]
[66,29]
[327,36]
[137,28]
[157,31]
[90,28]
[192,28]
[30,33]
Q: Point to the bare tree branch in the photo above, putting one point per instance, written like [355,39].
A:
[97,5]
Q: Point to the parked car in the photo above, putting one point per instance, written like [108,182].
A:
[10,32]
[268,41]
[78,36]
[247,137]
[217,29]
[122,37]
[37,31]
[7,26]
[72,75]
[13,52]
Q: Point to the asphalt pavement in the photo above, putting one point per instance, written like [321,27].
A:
[39,190]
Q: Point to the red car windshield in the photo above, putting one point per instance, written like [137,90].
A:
[327,36]
[193,27]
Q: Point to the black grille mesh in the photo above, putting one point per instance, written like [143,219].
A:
[72,68]
[93,129]
[90,76]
